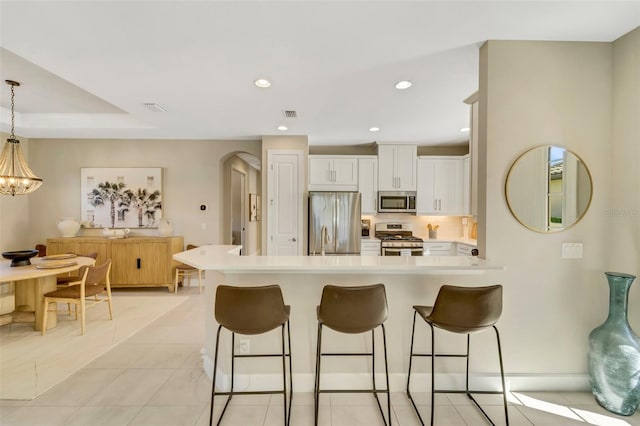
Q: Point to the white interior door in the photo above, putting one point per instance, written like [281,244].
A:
[284,205]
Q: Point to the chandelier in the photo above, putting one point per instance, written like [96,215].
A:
[15,175]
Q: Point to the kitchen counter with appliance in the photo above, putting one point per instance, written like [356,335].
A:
[408,280]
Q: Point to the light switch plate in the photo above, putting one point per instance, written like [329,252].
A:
[572,250]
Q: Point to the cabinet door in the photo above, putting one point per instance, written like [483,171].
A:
[405,167]
[447,186]
[333,173]
[144,263]
[464,249]
[345,171]
[320,171]
[124,257]
[368,184]
[386,168]
[154,262]
[439,186]
[438,249]
[425,197]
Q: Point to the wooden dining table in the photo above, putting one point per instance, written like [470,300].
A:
[33,281]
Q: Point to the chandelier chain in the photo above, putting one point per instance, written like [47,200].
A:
[13,95]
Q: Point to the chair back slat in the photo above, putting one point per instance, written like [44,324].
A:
[98,274]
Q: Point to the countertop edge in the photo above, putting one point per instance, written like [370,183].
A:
[221,258]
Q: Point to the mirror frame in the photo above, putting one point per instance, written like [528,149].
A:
[511,209]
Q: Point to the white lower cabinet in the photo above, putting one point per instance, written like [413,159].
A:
[369,247]
[438,249]
[464,249]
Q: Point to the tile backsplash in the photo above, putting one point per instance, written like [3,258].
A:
[450,227]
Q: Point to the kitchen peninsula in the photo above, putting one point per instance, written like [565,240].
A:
[408,281]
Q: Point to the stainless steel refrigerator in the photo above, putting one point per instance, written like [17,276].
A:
[334,223]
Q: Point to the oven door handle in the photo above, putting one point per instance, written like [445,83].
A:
[401,249]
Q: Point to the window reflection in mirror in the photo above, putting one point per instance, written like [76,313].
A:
[548,188]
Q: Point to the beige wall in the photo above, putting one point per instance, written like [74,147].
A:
[622,215]
[14,211]
[534,93]
[192,175]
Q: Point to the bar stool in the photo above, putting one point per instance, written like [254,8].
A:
[462,310]
[353,310]
[251,311]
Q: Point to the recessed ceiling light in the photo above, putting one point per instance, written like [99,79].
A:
[374,129]
[464,129]
[404,84]
[283,128]
[263,83]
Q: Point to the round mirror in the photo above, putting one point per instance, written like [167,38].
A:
[548,188]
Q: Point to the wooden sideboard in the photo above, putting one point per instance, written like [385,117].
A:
[136,261]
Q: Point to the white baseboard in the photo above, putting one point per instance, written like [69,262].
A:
[398,381]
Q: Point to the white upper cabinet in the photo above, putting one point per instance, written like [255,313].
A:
[440,186]
[466,184]
[368,183]
[333,173]
[397,167]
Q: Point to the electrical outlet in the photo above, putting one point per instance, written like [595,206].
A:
[244,346]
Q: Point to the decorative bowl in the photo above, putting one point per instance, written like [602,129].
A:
[20,257]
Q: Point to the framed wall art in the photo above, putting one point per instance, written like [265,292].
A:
[254,207]
[125,197]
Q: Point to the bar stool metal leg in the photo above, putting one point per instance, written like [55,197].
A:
[445,315]
[251,311]
[375,391]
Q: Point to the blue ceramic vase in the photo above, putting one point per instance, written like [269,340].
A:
[614,353]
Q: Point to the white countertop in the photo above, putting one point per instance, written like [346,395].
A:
[224,258]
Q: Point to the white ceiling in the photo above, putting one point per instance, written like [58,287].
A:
[87,67]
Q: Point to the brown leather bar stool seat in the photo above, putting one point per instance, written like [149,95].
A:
[461,310]
[252,311]
[353,310]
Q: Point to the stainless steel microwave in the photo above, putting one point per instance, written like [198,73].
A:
[396,202]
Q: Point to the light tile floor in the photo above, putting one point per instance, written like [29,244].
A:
[155,378]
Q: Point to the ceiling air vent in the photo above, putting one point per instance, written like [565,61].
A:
[154,107]
[290,113]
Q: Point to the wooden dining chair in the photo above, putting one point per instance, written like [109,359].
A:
[65,280]
[185,272]
[42,250]
[94,283]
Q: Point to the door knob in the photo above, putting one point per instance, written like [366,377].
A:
[293,239]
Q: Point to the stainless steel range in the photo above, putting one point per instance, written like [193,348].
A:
[397,239]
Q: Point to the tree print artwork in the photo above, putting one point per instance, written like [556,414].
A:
[121,197]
